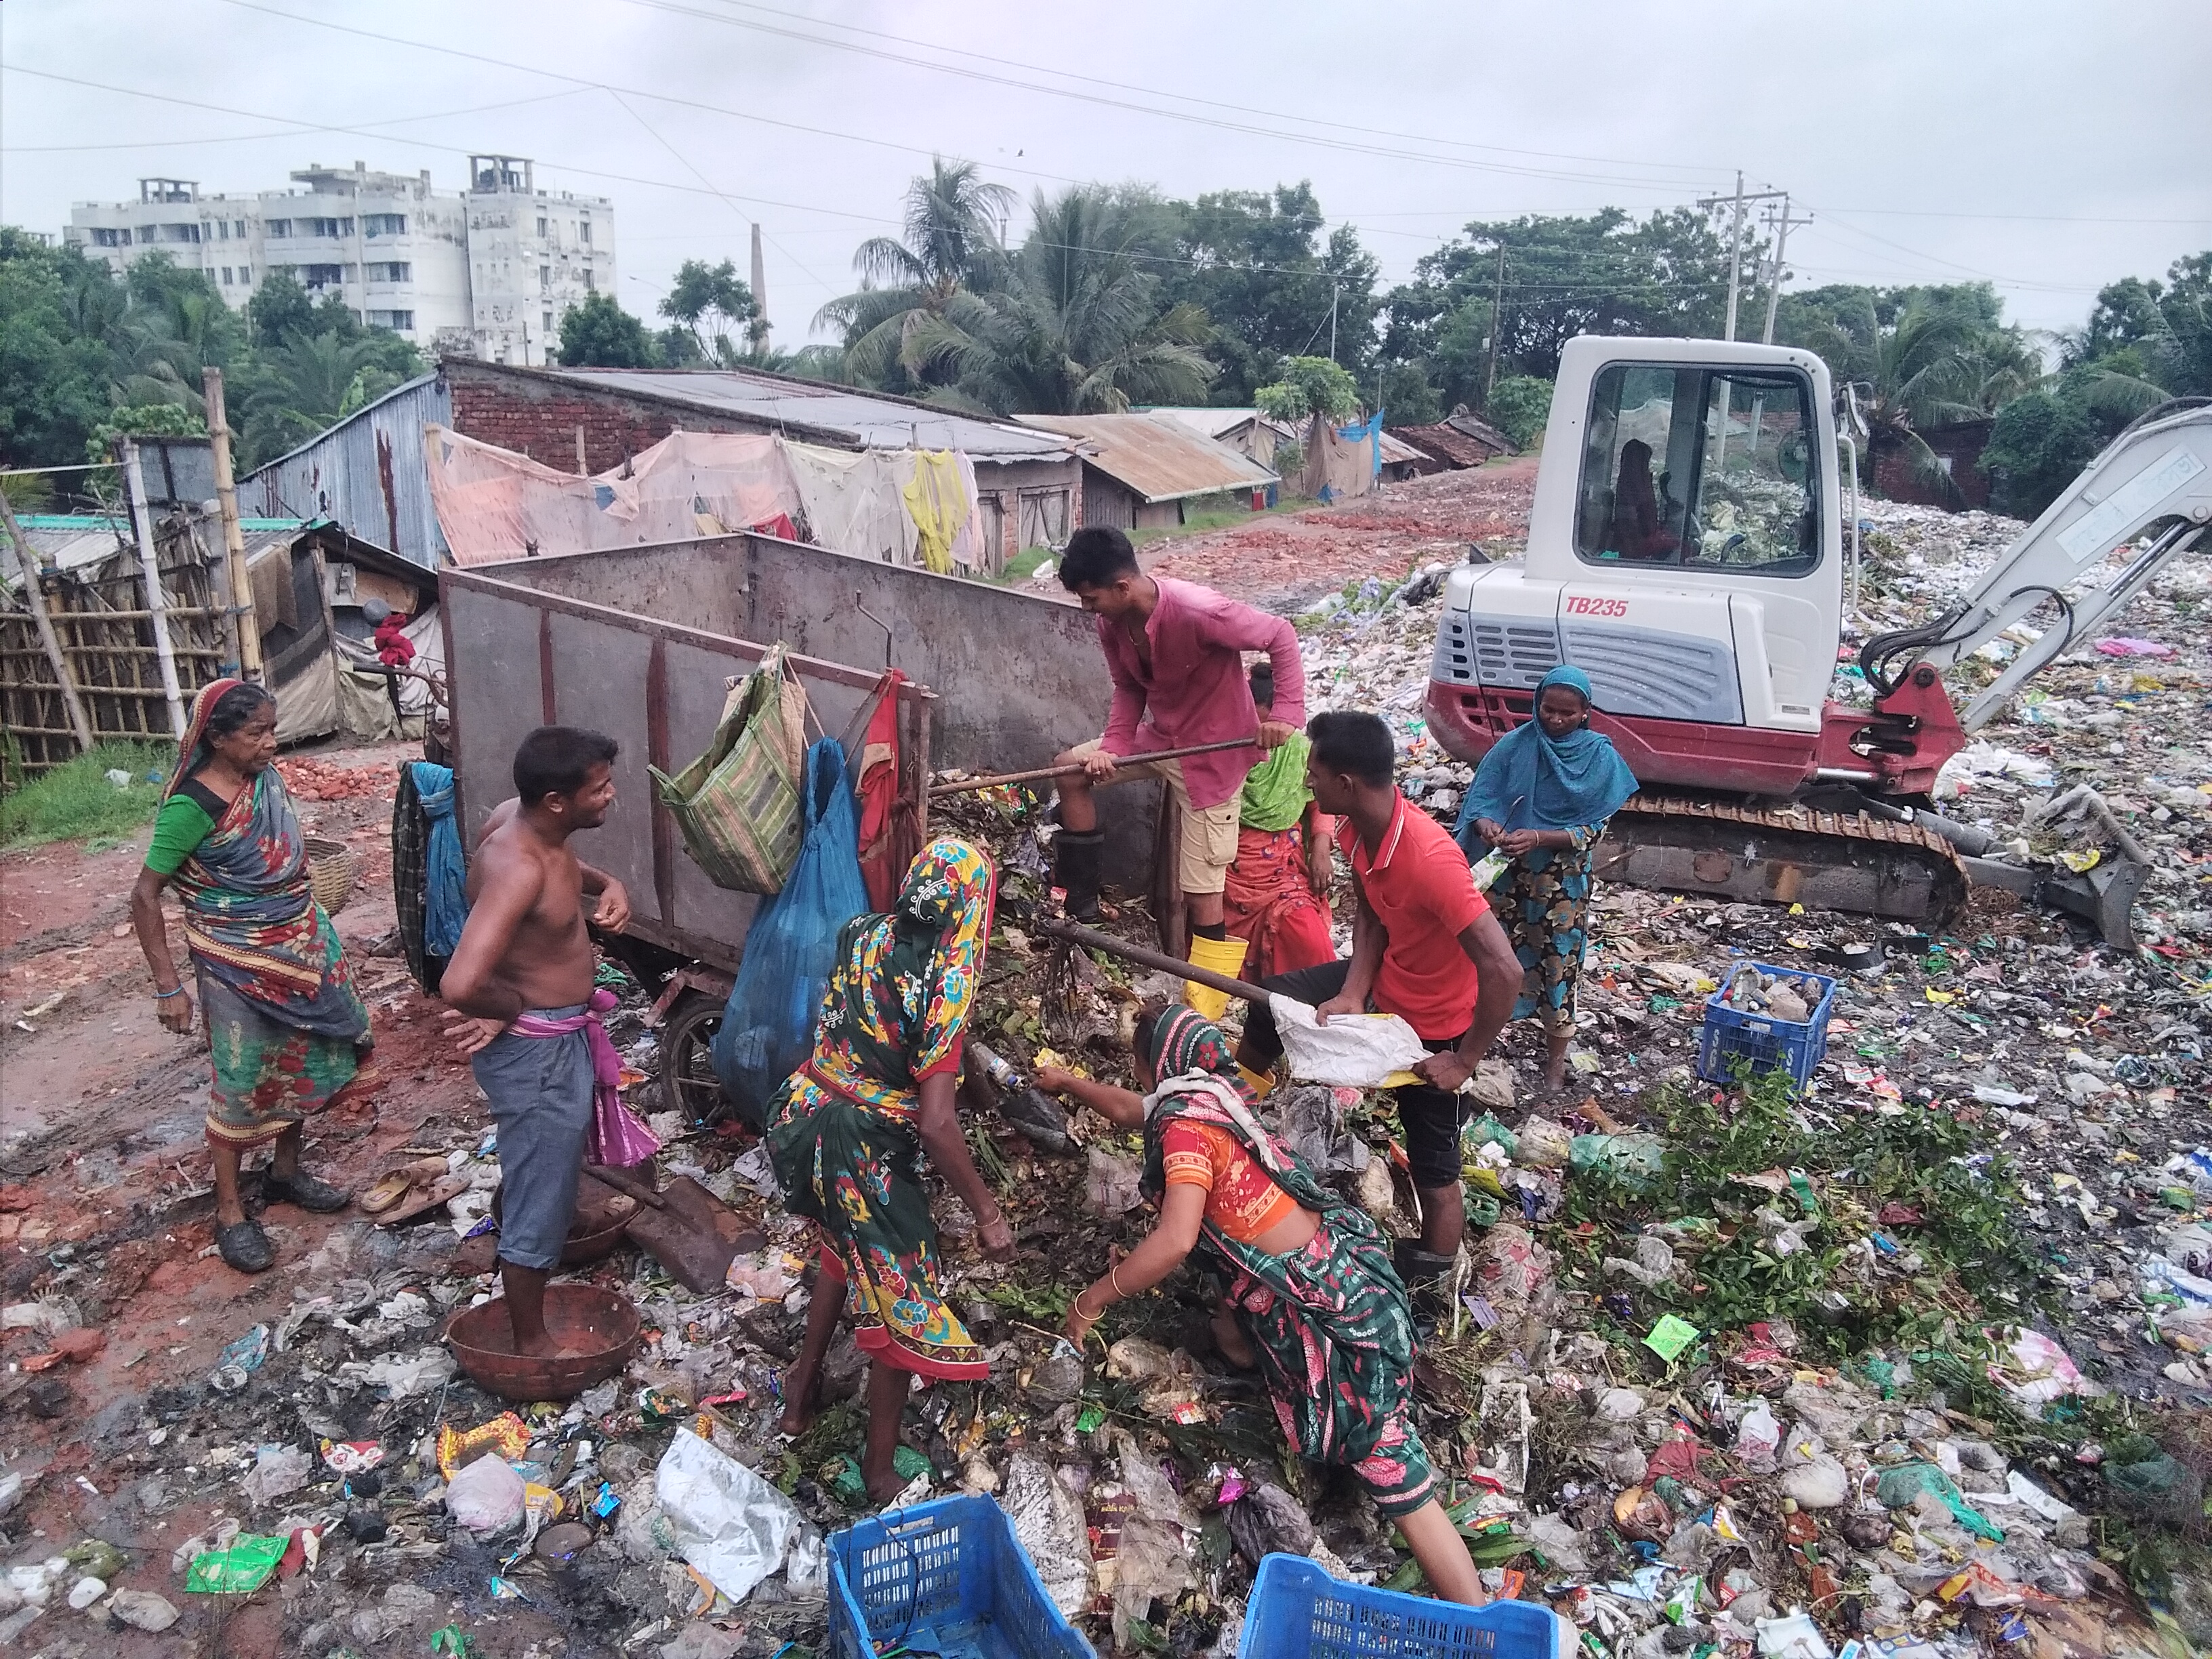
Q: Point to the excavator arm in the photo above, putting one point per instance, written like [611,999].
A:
[2156,473]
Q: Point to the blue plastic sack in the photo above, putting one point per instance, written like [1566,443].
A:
[768,1024]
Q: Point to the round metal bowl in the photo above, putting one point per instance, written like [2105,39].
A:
[596,1243]
[601,1327]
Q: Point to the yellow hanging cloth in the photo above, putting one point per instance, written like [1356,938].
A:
[939,505]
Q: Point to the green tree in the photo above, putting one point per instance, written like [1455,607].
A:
[713,306]
[1310,386]
[1604,274]
[279,308]
[1075,324]
[1258,265]
[311,381]
[600,334]
[143,421]
[1520,404]
[953,249]
[54,375]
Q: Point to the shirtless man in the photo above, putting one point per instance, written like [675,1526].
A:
[524,951]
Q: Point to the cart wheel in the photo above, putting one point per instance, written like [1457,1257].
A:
[688,1084]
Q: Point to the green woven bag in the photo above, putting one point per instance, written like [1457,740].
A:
[738,804]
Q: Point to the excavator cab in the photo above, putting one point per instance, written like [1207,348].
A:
[1688,558]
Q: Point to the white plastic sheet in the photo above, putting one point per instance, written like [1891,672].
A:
[728,1523]
[1356,1050]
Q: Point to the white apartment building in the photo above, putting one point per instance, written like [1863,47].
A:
[489,272]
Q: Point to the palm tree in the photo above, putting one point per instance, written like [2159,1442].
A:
[1077,327]
[305,385]
[1926,369]
[954,247]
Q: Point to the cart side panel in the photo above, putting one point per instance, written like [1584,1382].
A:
[497,696]
[599,683]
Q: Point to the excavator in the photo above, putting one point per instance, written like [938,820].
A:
[1687,551]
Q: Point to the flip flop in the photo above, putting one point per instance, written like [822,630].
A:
[385,1193]
[423,1199]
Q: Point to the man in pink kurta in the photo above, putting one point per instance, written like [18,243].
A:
[1175,652]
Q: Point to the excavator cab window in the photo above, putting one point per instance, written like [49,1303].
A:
[1700,469]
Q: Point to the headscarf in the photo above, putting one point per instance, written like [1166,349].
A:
[1197,1079]
[191,748]
[1532,780]
[945,908]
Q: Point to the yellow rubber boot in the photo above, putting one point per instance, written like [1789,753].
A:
[1262,1083]
[1223,956]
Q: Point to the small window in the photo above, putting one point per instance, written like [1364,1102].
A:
[241,230]
[104,237]
[226,276]
[1701,470]
[402,320]
[222,230]
[584,232]
[391,270]
[279,228]
[590,286]
[549,322]
[544,279]
[384,224]
[246,275]
[315,277]
[147,233]
[541,227]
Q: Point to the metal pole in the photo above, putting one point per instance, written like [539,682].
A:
[149,565]
[1334,288]
[36,598]
[234,538]
[1774,281]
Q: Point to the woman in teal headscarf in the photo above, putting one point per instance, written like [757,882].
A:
[1542,796]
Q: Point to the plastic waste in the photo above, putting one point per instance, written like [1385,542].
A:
[1900,1487]
[1357,1050]
[727,1522]
[83,1593]
[1545,1145]
[1758,1438]
[1636,1161]
[244,1566]
[276,1471]
[142,1610]
[1049,1523]
[768,1024]
[487,1497]
[1110,1183]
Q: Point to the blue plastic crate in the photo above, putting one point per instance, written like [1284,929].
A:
[946,1578]
[1761,1041]
[1298,1611]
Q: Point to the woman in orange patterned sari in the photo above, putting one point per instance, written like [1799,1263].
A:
[848,1129]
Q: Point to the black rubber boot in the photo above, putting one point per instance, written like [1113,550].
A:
[246,1247]
[1427,1278]
[1075,869]
[303,1189]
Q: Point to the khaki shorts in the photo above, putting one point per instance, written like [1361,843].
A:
[1208,834]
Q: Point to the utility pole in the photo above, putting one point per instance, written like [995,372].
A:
[1737,202]
[233,538]
[1335,288]
[1782,229]
[1496,327]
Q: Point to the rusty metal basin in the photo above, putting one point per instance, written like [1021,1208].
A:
[602,1326]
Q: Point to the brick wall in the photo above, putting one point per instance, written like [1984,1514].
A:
[540,420]
[1961,446]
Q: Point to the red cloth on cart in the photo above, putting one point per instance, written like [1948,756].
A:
[887,843]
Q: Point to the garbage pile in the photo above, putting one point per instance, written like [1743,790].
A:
[1908,1362]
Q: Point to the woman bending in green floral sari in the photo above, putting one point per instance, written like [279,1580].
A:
[1312,1298]
[849,1130]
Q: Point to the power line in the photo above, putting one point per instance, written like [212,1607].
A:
[674,8]
[254,137]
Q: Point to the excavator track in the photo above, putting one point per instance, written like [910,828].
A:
[1785,855]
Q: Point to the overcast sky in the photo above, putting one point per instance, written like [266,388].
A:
[2048,148]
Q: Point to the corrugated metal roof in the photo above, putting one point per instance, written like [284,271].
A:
[810,410]
[367,475]
[1395,449]
[1158,458]
[78,541]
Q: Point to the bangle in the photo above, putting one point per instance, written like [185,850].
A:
[1092,1318]
[163,996]
[1114,1278]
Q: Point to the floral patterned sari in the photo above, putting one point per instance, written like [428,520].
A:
[843,1133]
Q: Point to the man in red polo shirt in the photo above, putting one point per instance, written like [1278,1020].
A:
[1425,947]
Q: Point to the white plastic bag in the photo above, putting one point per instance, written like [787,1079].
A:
[729,1523]
[1356,1050]
[486,1497]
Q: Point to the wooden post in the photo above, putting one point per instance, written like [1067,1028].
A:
[233,538]
[36,598]
[149,565]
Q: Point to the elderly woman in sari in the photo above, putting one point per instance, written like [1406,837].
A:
[1542,796]
[288,1032]
[848,1131]
[1312,1299]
